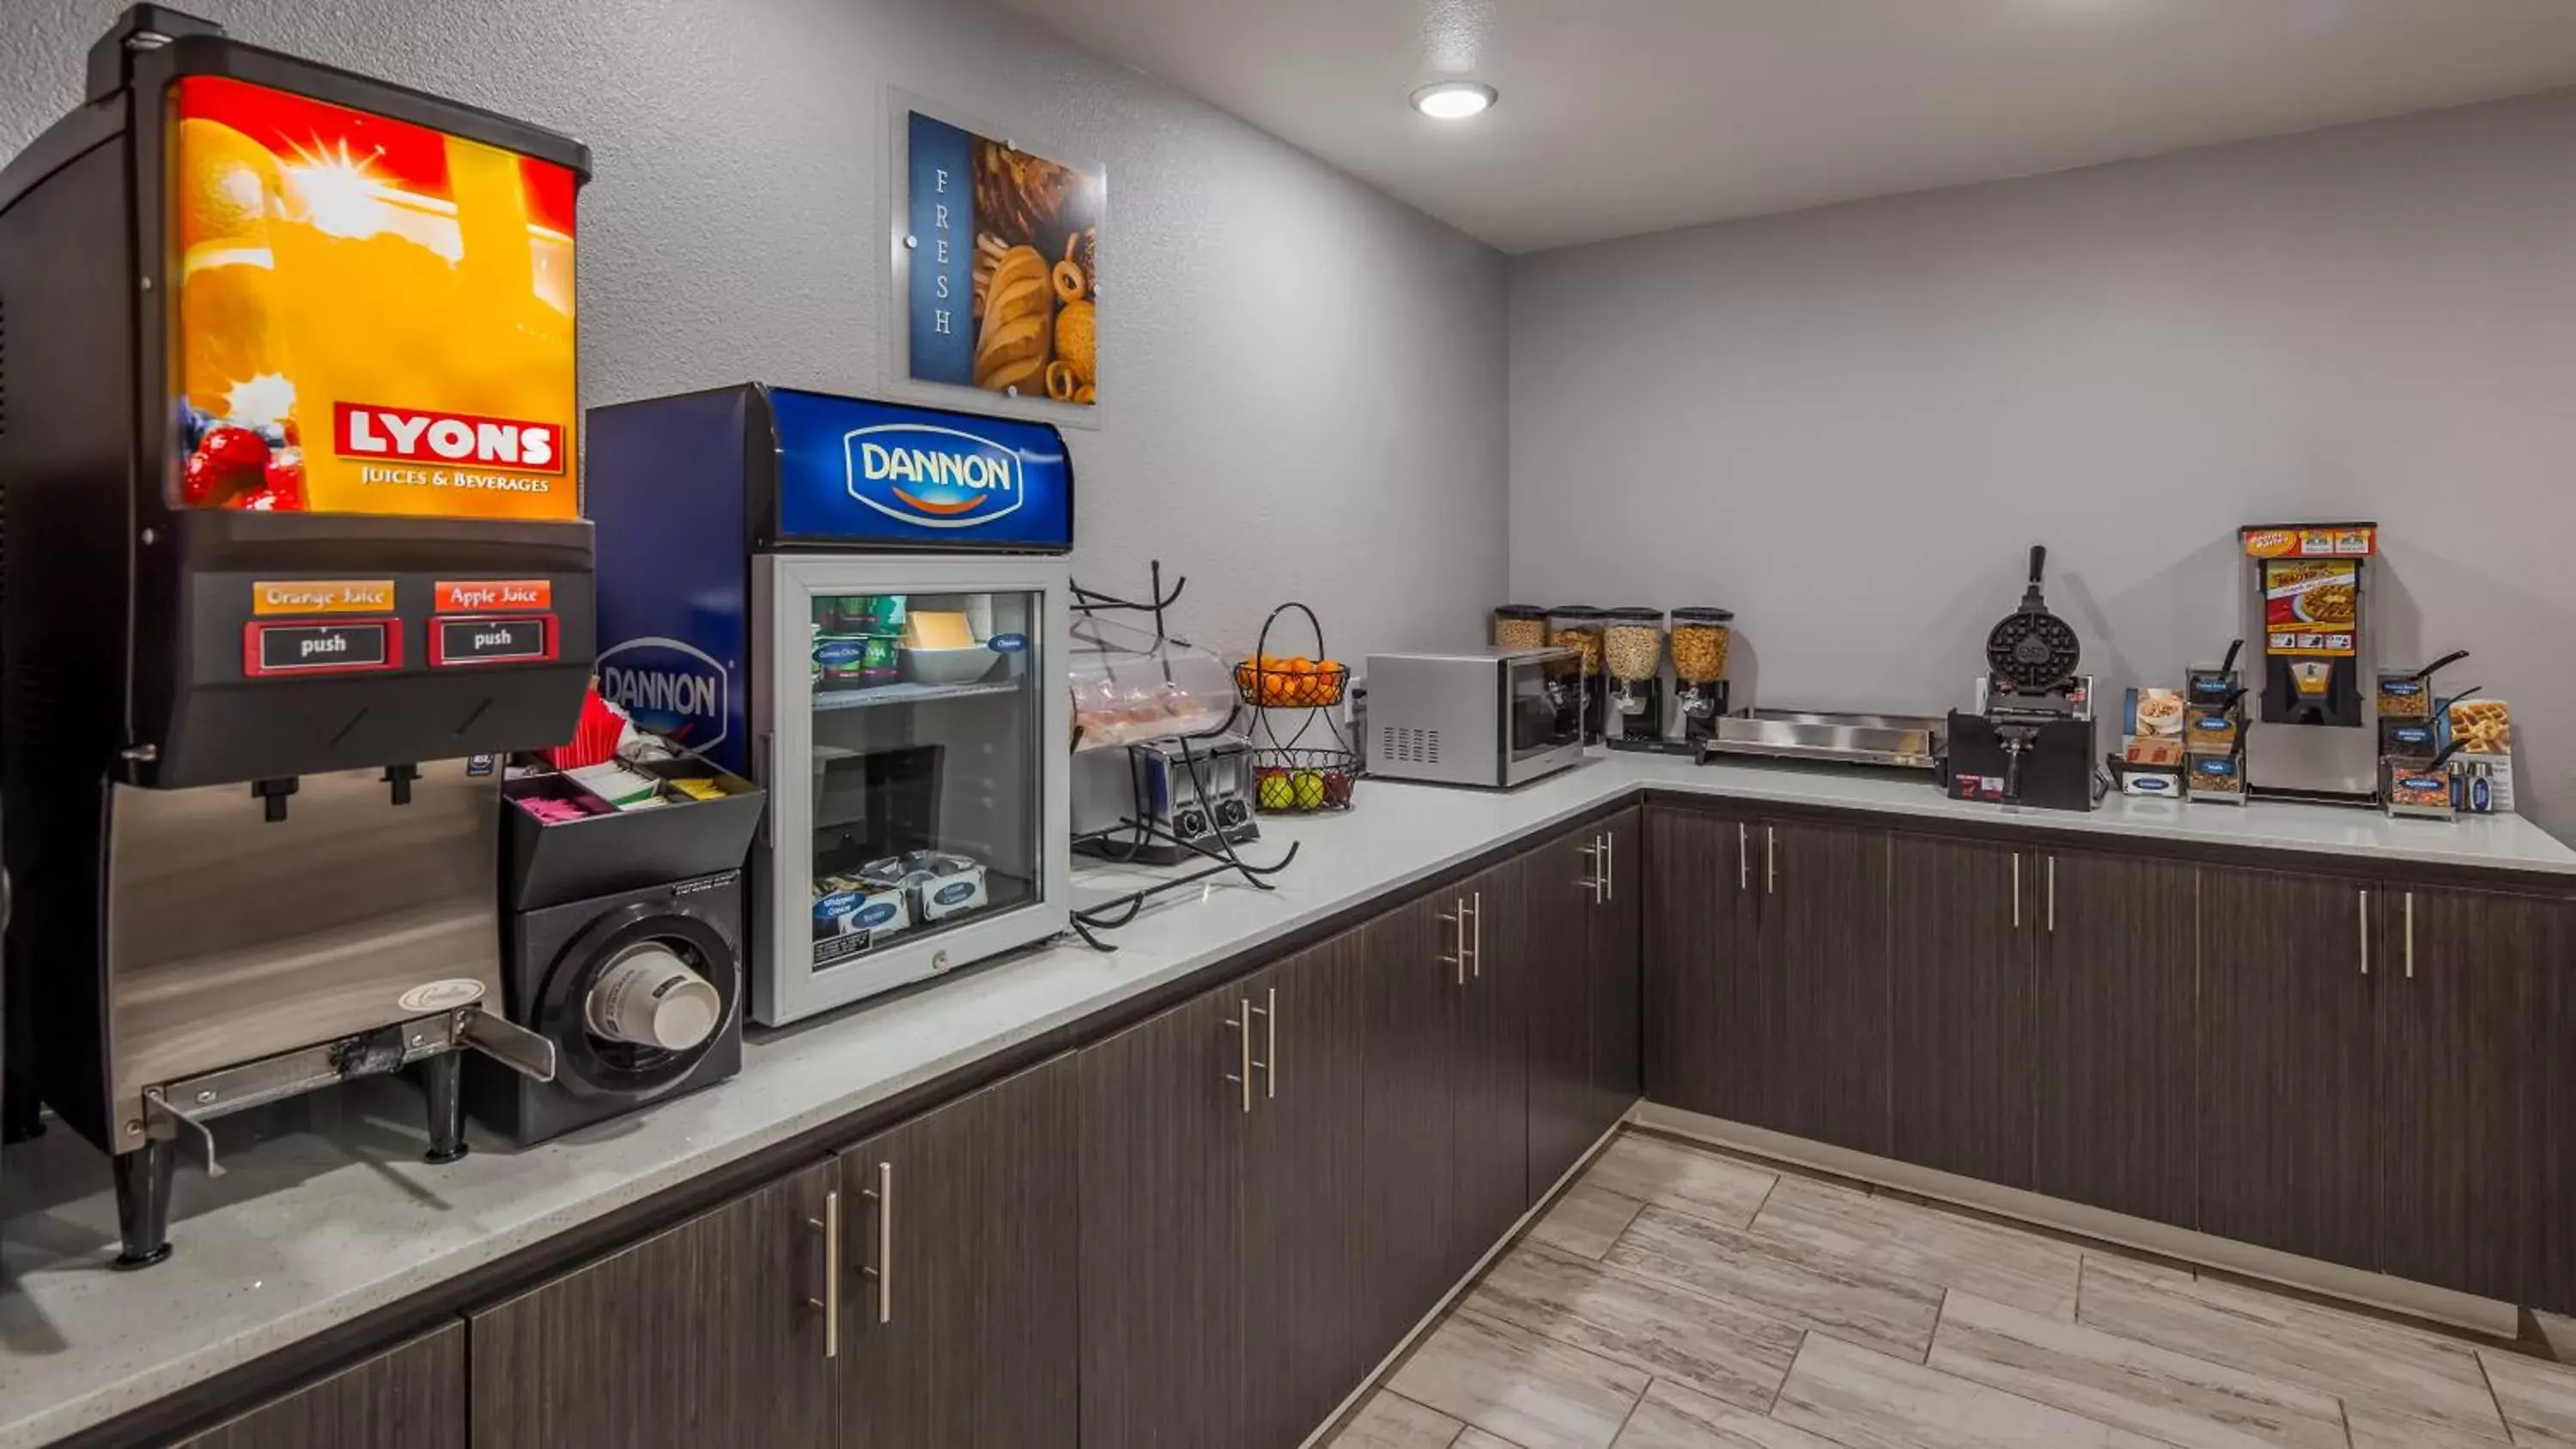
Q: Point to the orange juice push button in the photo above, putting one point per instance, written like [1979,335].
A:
[483,596]
[322,596]
[270,650]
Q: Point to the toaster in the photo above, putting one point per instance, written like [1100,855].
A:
[1164,800]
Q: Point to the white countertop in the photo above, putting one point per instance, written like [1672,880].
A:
[315,1227]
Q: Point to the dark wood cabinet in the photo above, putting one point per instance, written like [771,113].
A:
[709,1333]
[2473,1030]
[2112,1033]
[1961,917]
[411,1396]
[959,1281]
[1162,1106]
[1823,965]
[1555,891]
[2285,1080]
[1706,1004]
[1613,943]
[1224,1255]
[1304,1253]
[1489,1109]
[1409,984]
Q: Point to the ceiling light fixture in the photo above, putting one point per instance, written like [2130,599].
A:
[1453,100]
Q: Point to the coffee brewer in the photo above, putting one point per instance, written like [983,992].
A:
[293,551]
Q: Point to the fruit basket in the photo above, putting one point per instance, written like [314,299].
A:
[1301,782]
[1301,763]
[1269,681]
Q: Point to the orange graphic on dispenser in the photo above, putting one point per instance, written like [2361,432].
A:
[371,316]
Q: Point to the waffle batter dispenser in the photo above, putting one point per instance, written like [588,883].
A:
[293,549]
[2309,580]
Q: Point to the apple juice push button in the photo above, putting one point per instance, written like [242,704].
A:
[491,641]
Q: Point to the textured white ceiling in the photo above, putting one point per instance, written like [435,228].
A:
[1626,116]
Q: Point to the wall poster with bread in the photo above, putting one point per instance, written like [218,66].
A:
[1000,251]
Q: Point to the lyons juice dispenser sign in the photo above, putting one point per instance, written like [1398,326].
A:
[372,316]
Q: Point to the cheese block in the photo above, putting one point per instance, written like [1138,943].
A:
[933,629]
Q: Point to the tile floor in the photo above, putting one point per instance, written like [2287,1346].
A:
[1681,1299]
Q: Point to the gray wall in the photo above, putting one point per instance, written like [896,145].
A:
[1848,424]
[1304,378]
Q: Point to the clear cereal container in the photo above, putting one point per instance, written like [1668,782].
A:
[1519,626]
[1579,627]
[1699,644]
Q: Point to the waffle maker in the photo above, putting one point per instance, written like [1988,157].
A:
[2032,743]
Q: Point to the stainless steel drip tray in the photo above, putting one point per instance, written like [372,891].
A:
[1912,742]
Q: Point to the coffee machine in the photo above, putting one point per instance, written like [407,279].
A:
[2031,739]
[293,553]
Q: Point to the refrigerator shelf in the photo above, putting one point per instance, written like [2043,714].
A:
[906,693]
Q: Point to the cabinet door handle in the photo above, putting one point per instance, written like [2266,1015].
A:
[2365,933]
[1457,924]
[2052,893]
[1592,876]
[885,1242]
[1268,1062]
[1770,861]
[2410,935]
[1610,865]
[1241,1021]
[2016,890]
[1743,859]
[829,1305]
[1476,929]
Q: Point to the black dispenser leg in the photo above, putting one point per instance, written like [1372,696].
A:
[143,1202]
[443,1078]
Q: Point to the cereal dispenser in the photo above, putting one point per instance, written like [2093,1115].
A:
[1700,638]
[1632,657]
[294,550]
[1577,683]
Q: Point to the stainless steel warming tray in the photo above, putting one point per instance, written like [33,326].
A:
[1911,742]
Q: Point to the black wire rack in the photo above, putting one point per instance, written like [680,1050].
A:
[1134,831]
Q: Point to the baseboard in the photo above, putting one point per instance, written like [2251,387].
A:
[2333,1280]
[1340,1417]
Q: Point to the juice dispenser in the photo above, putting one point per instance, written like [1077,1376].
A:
[293,551]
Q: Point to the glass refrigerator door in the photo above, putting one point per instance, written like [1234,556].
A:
[917,749]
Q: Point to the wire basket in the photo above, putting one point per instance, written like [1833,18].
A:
[1303,782]
[1269,682]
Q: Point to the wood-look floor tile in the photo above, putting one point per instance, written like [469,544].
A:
[2131,1385]
[2380,1370]
[1586,1220]
[2539,1399]
[1479,1439]
[1926,1244]
[1865,1400]
[2373,1427]
[1720,1349]
[1392,1421]
[1651,1169]
[1825,1289]
[1528,1388]
[1672,1417]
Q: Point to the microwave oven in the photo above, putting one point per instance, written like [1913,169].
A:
[1490,717]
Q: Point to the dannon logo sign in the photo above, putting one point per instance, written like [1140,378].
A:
[668,688]
[933,476]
